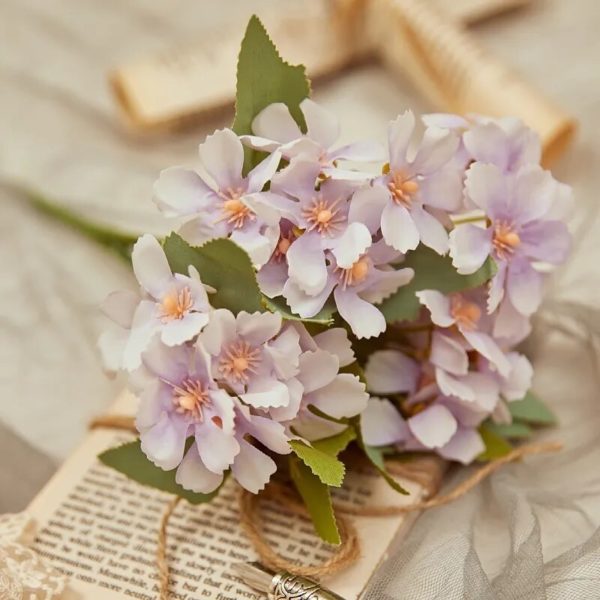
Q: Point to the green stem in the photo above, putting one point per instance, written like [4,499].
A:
[117,241]
[474,219]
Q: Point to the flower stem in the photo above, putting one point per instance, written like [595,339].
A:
[119,242]
[472,219]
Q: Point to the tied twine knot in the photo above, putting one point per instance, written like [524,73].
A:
[426,471]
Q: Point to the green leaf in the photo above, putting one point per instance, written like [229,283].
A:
[317,499]
[223,265]
[432,272]
[323,317]
[532,410]
[495,445]
[336,443]
[263,77]
[132,462]
[325,466]
[514,430]
[377,458]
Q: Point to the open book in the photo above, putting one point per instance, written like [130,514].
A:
[100,529]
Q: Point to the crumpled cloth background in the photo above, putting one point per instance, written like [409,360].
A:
[532,530]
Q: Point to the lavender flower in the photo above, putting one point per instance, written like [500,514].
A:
[224,204]
[171,305]
[252,357]
[410,200]
[276,129]
[323,216]
[336,394]
[356,290]
[520,230]
[180,399]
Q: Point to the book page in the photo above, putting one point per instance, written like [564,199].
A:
[100,529]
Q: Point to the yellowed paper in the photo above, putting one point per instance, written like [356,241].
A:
[100,529]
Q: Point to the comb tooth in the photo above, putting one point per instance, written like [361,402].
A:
[254,575]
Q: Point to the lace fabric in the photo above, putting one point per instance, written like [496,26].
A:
[24,575]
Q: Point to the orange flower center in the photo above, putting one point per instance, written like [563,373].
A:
[176,304]
[239,361]
[402,189]
[466,314]
[505,240]
[355,274]
[190,398]
[323,215]
[235,212]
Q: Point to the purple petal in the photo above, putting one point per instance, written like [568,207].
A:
[443,189]
[217,448]
[434,426]
[276,123]
[487,143]
[257,328]
[271,278]
[487,347]
[222,155]
[436,149]
[518,381]
[269,433]
[284,351]
[301,303]
[367,205]
[317,369]
[252,468]
[497,285]
[178,331]
[399,134]
[363,151]
[164,442]
[200,229]
[321,124]
[524,287]
[150,265]
[259,143]
[486,186]
[448,354]
[306,263]
[391,372]
[547,241]
[194,476]
[510,326]
[431,232]
[398,228]
[180,191]
[351,245]
[220,331]
[335,341]
[533,194]
[465,446]
[381,424]
[345,396]
[438,305]
[263,172]
[143,328]
[470,245]
[264,392]
[364,319]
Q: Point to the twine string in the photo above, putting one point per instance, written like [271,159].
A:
[426,471]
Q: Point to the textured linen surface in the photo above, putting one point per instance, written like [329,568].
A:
[529,532]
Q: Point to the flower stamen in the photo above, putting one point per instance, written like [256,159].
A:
[239,361]
[323,215]
[235,212]
[505,240]
[176,304]
[355,274]
[402,189]
[190,398]
[466,314]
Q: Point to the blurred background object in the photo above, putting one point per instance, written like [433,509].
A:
[62,138]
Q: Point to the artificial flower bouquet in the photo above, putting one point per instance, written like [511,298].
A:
[316,296]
